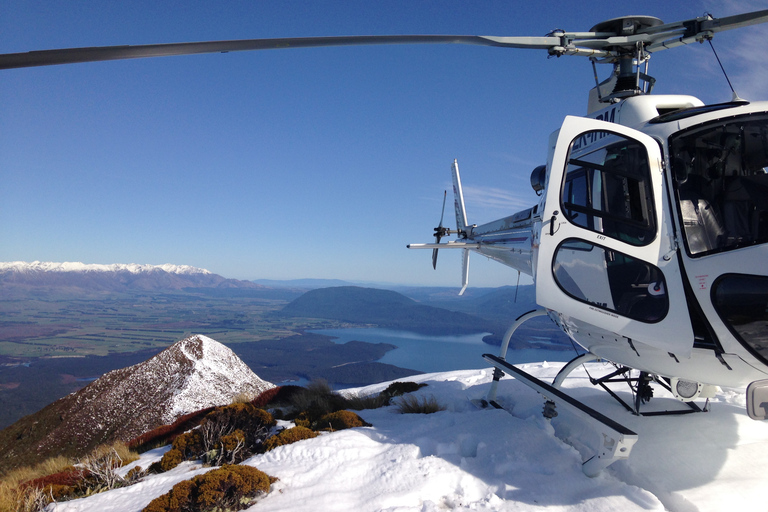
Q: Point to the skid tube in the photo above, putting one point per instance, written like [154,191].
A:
[617,440]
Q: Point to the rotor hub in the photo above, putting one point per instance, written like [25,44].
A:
[627,25]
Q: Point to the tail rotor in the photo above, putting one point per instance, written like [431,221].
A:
[440,232]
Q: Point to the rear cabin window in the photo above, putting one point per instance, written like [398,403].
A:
[722,184]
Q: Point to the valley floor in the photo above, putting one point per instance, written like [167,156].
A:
[466,458]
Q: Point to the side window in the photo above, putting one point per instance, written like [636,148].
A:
[611,280]
[608,189]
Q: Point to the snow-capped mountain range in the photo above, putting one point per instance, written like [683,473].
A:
[73,266]
[20,277]
[192,374]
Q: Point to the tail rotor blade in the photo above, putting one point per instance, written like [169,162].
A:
[442,215]
[439,232]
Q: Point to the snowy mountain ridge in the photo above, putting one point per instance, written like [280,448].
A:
[21,278]
[192,374]
[71,266]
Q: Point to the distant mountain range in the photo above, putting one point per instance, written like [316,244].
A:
[21,277]
[192,374]
[384,308]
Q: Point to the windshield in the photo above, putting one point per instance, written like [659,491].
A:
[722,184]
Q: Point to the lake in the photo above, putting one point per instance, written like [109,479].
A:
[440,353]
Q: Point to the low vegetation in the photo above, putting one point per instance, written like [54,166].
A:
[226,488]
[410,404]
[289,436]
[221,436]
[31,489]
[165,434]
[339,420]
[226,435]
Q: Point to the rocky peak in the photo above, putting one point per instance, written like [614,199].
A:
[192,374]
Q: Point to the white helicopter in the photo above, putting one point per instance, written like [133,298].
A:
[648,246]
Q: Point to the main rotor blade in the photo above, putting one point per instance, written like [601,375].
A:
[669,35]
[102,53]
[696,29]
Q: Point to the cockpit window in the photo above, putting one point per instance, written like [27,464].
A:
[608,189]
[722,184]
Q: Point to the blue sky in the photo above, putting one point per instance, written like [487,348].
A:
[300,163]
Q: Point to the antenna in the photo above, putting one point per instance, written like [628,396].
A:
[735,97]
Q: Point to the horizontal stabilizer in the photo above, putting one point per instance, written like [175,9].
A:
[448,245]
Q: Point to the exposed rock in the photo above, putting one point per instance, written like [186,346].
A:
[192,374]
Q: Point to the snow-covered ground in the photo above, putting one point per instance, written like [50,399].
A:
[466,458]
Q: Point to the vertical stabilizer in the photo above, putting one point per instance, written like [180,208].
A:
[458,201]
[464,271]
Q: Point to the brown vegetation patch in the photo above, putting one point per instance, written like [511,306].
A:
[227,488]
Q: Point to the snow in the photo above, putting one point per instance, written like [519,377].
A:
[133,268]
[465,458]
[217,376]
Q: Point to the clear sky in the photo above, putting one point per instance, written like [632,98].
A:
[300,163]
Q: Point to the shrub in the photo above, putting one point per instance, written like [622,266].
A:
[283,396]
[135,474]
[317,399]
[190,444]
[101,467]
[401,388]
[227,434]
[226,488]
[288,436]
[254,422]
[410,404]
[166,433]
[267,397]
[233,433]
[340,420]
[57,486]
[171,459]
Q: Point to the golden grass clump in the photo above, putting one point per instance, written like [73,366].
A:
[409,404]
[27,489]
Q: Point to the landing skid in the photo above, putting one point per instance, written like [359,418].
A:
[617,440]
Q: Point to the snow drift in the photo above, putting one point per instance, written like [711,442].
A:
[466,458]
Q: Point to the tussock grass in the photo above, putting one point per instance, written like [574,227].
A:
[359,403]
[409,404]
[12,498]
[120,448]
[16,497]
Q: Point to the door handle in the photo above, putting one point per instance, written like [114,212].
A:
[552,223]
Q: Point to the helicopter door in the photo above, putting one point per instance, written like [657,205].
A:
[606,256]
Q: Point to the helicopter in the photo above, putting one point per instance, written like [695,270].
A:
[648,244]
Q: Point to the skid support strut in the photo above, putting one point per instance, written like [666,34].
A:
[498,373]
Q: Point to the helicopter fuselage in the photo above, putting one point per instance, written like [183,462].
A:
[648,245]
